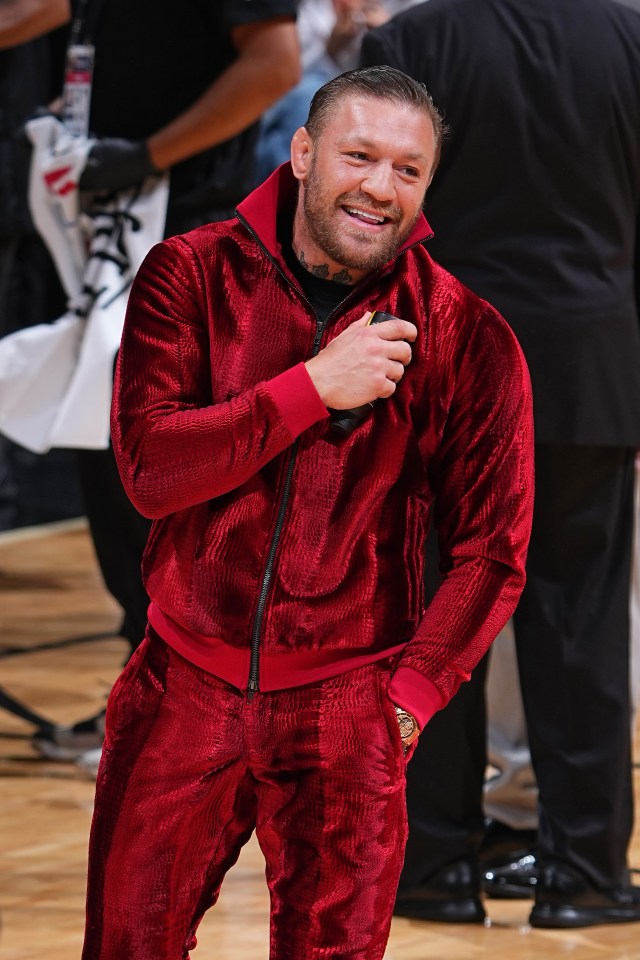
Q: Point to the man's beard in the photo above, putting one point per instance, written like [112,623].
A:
[368,252]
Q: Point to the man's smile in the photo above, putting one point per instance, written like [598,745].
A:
[368,216]
[365,216]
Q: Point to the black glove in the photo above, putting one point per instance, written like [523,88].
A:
[115,164]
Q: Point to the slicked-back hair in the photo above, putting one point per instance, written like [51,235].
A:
[380,83]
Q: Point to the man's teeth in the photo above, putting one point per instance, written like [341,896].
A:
[373,217]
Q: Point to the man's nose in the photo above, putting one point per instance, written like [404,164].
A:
[379,182]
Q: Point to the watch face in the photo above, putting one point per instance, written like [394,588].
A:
[407,725]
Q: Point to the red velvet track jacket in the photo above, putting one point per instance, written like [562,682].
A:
[280,552]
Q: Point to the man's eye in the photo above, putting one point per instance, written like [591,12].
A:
[356,155]
[411,172]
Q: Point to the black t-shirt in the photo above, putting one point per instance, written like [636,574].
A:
[324,295]
[154,58]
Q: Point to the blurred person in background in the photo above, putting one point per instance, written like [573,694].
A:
[330,33]
[535,207]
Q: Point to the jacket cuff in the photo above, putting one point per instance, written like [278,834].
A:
[297,399]
[419,696]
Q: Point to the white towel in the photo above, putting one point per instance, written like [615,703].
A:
[56,379]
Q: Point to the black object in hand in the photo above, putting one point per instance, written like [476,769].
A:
[116,164]
[344,422]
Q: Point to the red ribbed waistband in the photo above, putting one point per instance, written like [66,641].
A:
[278,671]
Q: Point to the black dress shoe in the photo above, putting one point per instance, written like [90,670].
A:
[565,898]
[513,880]
[451,895]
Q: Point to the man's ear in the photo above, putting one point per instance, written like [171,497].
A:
[301,152]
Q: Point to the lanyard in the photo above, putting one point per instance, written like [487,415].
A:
[76,97]
[84,21]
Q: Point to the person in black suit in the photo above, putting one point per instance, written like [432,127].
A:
[535,207]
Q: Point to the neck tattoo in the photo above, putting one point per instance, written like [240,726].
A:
[322,270]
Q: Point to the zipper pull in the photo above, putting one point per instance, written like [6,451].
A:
[252,689]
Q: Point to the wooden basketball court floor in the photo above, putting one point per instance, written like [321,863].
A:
[59,656]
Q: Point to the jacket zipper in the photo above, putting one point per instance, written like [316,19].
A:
[254,662]
[254,665]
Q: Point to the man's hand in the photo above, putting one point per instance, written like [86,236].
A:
[116,164]
[362,363]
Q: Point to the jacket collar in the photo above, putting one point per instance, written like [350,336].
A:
[262,209]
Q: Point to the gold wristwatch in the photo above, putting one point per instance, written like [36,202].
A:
[409,729]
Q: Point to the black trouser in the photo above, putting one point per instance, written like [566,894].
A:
[119,536]
[572,638]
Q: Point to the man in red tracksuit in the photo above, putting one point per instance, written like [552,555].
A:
[289,662]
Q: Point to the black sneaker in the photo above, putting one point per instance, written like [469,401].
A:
[451,895]
[514,880]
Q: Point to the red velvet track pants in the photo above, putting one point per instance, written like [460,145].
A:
[190,768]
